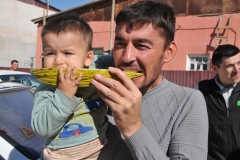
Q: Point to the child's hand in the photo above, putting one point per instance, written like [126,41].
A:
[68,83]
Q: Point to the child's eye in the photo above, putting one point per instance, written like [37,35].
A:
[48,54]
[68,53]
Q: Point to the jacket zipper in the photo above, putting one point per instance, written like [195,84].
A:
[227,113]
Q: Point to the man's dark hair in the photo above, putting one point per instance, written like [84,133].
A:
[69,23]
[160,15]
[14,61]
[226,50]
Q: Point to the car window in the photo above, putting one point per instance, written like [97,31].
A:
[16,78]
[34,83]
[27,80]
[5,78]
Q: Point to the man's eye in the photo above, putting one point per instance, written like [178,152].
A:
[229,66]
[140,46]
[119,44]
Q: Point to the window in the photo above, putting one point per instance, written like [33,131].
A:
[98,51]
[25,79]
[198,63]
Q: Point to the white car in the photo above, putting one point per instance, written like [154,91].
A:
[17,139]
[19,77]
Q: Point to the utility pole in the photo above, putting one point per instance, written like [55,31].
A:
[111,28]
[44,22]
[44,15]
[47,2]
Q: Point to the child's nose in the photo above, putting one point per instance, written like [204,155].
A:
[59,60]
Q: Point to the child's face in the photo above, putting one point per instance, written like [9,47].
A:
[65,49]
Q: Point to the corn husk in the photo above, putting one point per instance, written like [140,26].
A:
[49,75]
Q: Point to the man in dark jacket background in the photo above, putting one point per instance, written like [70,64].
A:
[222,95]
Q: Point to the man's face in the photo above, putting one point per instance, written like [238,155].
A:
[14,66]
[65,49]
[140,50]
[229,70]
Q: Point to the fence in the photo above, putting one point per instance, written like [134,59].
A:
[188,78]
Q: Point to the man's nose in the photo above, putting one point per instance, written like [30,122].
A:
[129,54]
[237,67]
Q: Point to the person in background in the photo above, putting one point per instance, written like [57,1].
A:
[222,95]
[71,119]
[14,65]
[149,117]
[102,62]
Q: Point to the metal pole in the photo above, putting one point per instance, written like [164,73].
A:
[44,22]
[47,1]
[44,17]
[111,29]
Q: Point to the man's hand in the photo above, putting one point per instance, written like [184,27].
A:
[68,83]
[123,98]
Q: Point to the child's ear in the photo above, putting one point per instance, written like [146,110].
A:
[89,58]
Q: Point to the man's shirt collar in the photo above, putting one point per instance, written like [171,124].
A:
[217,80]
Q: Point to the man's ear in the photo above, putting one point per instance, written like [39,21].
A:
[214,67]
[89,58]
[170,52]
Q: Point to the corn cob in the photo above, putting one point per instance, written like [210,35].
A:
[49,75]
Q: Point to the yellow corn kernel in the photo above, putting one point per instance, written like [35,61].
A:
[49,75]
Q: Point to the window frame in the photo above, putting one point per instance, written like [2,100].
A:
[188,65]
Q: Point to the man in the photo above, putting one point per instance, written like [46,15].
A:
[223,104]
[14,65]
[150,117]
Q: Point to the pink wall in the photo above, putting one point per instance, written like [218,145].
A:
[194,35]
[39,48]
[101,34]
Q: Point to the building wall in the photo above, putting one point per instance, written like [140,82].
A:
[196,24]
[17,32]
[194,35]
[39,47]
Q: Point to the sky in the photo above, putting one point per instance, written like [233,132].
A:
[66,4]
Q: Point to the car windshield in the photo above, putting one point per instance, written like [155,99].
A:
[15,122]
[25,79]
